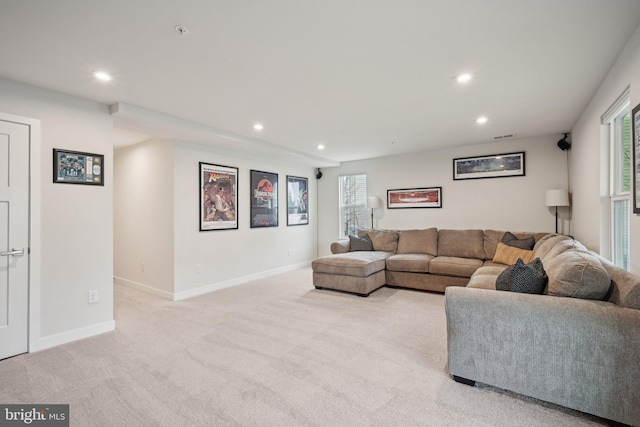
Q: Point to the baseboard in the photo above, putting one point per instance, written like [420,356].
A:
[144,288]
[74,335]
[236,281]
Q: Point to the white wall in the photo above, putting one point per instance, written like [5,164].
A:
[143,215]
[514,203]
[587,155]
[76,220]
[229,257]
[157,222]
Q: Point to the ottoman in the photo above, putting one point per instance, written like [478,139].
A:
[356,272]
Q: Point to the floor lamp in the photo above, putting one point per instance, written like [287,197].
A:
[373,202]
[556,198]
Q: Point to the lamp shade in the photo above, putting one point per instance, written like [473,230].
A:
[559,197]
[373,202]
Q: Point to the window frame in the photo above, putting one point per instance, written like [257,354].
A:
[619,244]
[358,205]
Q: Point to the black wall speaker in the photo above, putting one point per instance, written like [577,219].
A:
[318,173]
[563,144]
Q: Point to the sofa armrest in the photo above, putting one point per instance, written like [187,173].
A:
[577,353]
[340,246]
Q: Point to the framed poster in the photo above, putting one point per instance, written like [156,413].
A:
[635,176]
[297,200]
[264,199]
[218,197]
[493,166]
[75,167]
[430,197]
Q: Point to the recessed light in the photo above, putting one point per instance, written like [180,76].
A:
[320,147]
[102,76]
[258,126]
[463,78]
[481,120]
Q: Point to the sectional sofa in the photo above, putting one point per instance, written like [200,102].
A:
[427,259]
[577,344]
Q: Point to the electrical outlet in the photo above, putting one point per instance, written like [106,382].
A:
[198,269]
[93,297]
[289,252]
[142,267]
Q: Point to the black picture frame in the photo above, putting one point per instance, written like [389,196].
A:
[635,131]
[490,166]
[218,204]
[77,167]
[264,199]
[297,200]
[409,198]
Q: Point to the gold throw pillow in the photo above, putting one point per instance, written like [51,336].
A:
[509,255]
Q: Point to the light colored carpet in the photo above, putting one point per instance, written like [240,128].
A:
[274,352]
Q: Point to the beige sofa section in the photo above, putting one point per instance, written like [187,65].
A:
[425,259]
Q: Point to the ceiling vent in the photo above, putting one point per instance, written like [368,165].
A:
[509,136]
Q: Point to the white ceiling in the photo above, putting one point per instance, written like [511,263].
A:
[365,78]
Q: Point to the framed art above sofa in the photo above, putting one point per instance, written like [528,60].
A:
[492,166]
[429,197]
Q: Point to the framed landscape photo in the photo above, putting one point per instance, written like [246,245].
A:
[635,175]
[75,167]
[493,166]
[297,200]
[430,197]
[264,199]
[218,197]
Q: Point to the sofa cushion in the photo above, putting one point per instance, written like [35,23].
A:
[454,266]
[577,274]
[418,241]
[358,264]
[490,263]
[625,286]
[545,245]
[382,240]
[490,270]
[483,281]
[509,254]
[416,263]
[525,243]
[360,243]
[340,246]
[527,278]
[461,243]
[491,239]
[568,245]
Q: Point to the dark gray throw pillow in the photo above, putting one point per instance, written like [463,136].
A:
[510,240]
[363,243]
[503,282]
[525,278]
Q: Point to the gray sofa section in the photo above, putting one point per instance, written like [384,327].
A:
[576,353]
[565,346]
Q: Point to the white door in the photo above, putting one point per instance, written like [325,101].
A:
[14,238]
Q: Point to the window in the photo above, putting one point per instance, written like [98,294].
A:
[620,185]
[353,201]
